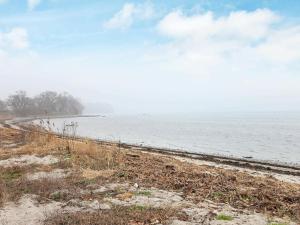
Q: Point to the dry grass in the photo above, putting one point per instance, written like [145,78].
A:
[136,215]
[92,174]
[9,177]
[43,188]
[87,158]
[89,155]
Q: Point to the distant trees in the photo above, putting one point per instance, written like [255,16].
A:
[20,104]
[2,106]
[50,102]
[46,103]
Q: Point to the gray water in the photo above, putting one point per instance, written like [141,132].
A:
[263,136]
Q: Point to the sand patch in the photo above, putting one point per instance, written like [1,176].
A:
[145,197]
[26,211]
[25,160]
[210,213]
[54,174]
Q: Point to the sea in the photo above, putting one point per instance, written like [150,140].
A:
[266,136]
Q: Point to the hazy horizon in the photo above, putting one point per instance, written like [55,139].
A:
[153,56]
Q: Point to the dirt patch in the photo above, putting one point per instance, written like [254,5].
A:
[25,160]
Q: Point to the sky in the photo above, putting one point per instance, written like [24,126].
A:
[155,56]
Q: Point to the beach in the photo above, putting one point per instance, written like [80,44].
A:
[49,179]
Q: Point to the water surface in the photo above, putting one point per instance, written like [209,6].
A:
[263,136]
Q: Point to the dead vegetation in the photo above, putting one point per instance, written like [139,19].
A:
[95,164]
[240,190]
[135,215]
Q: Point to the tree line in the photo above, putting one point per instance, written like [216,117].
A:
[46,103]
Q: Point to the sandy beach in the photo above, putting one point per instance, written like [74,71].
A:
[47,179]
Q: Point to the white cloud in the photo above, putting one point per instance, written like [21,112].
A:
[3,1]
[242,41]
[237,25]
[15,39]
[128,14]
[32,4]
[282,46]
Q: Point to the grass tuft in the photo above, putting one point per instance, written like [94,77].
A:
[144,193]
[224,217]
[10,174]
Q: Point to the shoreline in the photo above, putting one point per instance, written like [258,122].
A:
[71,176]
[252,164]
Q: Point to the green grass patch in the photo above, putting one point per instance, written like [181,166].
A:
[217,194]
[144,193]
[224,217]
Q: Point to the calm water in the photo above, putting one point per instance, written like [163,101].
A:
[264,136]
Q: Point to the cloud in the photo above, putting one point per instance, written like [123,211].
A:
[128,14]
[237,43]
[15,39]
[3,1]
[282,46]
[32,4]
[237,25]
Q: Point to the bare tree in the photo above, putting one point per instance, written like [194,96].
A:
[46,102]
[20,104]
[68,105]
